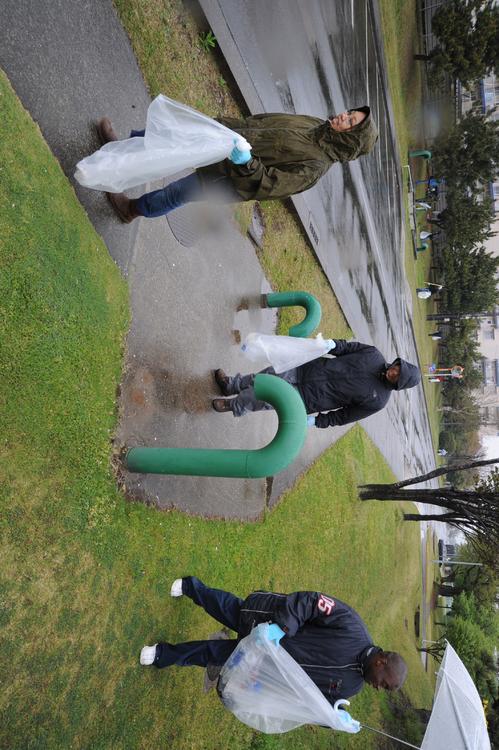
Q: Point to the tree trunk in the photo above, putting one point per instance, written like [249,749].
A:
[444,517]
[436,473]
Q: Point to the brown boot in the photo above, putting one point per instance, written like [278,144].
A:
[222,404]
[106,131]
[222,381]
[124,207]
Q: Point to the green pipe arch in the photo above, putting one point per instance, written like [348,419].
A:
[263,462]
[312,307]
[420,152]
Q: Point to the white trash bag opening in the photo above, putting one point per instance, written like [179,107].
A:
[284,352]
[177,137]
[268,690]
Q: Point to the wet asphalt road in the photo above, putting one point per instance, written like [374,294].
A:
[320,57]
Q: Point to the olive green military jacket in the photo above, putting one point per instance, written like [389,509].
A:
[290,153]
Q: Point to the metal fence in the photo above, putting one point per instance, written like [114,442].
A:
[427,9]
[441,98]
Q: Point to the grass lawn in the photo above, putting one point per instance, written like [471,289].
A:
[85,575]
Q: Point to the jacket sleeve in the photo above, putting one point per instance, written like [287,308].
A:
[349,347]
[307,606]
[277,182]
[344,415]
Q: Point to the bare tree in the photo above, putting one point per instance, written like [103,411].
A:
[474,511]
[435,649]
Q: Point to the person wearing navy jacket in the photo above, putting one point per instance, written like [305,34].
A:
[324,635]
[355,383]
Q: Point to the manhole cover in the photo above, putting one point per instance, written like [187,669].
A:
[185,225]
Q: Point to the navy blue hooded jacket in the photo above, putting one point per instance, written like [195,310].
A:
[323,634]
[352,383]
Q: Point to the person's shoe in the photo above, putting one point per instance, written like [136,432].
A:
[222,381]
[124,207]
[222,404]
[176,589]
[147,655]
[105,131]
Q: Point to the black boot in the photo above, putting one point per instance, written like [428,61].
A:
[222,404]
[106,131]
[124,207]
[222,381]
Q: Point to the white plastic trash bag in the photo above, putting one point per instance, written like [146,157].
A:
[268,690]
[176,138]
[284,352]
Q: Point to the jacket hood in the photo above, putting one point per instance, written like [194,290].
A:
[410,375]
[350,144]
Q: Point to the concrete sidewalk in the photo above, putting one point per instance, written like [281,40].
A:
[71,62]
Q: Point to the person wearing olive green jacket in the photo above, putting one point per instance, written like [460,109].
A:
[289,154]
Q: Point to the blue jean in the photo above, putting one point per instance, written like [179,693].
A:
[242,385]
[223,607]
[178,193]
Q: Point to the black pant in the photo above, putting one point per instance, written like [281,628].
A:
[223,607]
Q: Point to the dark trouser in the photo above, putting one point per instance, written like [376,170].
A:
[246,399]
[224,608]
[178,193]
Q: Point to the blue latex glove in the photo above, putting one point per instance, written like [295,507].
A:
[351,725]
[274,633]
[239,157]
[311,420]
[348,724]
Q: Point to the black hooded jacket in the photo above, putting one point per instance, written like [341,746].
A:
[324,635]
[352,383]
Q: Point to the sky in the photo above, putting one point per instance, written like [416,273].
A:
[491,445]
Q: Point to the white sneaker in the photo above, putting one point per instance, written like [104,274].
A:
[176,589]
[147,655]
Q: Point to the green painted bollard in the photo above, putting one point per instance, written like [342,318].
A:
[263,462]
[420,152]
[311,304]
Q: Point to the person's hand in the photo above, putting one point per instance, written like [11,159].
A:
[274,633]
[239,156]
[310,420]
[350,725]
[331,343]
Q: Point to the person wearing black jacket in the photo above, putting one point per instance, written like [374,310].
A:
[354,384]
[323,634]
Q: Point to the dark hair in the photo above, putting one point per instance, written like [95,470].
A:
[397,668]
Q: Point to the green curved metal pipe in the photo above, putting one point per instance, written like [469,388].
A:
[312,307]
[420,152]
[263,462]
